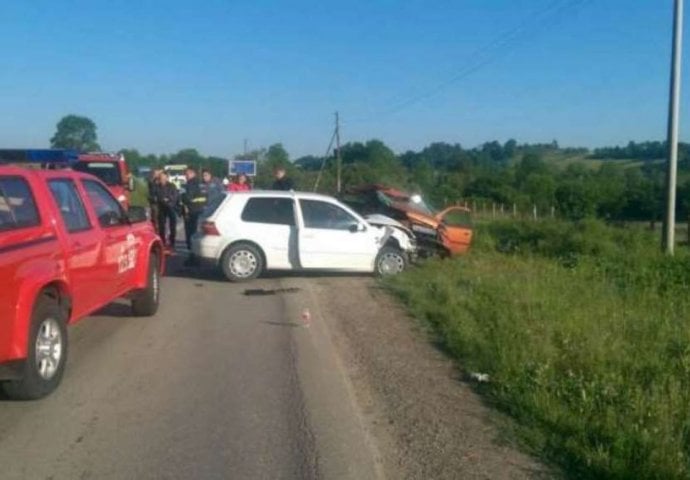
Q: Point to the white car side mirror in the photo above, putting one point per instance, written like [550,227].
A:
[357,227]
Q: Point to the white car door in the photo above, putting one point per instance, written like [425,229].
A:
[332,238]
[270,223]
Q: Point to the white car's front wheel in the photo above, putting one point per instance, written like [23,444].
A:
[242,262]
[390,261]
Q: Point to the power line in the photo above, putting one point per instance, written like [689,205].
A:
[488,53]
[323,161]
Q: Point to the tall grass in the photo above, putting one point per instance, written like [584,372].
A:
[584,332]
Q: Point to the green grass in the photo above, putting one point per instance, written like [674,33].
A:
[139,196]
[561,160]
[585,333]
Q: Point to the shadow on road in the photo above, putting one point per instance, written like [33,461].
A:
[258,292]
[175,267]
[284,324]
[116,309]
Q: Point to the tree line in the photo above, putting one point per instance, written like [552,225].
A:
[575,182]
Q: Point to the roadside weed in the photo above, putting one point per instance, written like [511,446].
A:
[590,355]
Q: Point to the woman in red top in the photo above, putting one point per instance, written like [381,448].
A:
[239,184]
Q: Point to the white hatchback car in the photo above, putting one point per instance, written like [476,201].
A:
[246,233]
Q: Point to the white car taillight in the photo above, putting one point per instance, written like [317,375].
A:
[209,228]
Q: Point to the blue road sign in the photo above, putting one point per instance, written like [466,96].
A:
[248,167]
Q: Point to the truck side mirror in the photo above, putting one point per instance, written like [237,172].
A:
[136,214]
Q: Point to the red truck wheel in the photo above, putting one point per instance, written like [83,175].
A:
[145,302]
[47,353]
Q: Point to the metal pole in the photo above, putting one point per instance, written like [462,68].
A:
[668,238]
[337,146]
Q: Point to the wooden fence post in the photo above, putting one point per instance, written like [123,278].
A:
[534,211]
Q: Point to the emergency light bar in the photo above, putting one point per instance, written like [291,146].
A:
[54,156]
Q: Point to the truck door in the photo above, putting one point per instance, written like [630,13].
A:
[83,246]
[120,244]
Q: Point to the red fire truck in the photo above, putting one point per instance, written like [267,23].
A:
[112,169]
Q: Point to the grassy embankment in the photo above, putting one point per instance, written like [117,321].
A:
[585,334]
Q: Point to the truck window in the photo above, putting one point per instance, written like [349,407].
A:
[107,172]
[70,205]
[108,210]
[17,205]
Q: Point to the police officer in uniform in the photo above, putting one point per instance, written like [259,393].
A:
[193,203]
[153,181]
[166,197]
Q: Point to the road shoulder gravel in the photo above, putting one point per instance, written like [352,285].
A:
[427,423]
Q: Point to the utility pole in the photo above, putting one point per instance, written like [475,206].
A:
[245,148]
[339,163]
[668,238]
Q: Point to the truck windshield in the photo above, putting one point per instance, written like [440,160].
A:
[106,171]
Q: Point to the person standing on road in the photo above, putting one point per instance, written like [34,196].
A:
[167,197]
[239,184]
[213,187]
[194,200]
[152,183]
[282,181]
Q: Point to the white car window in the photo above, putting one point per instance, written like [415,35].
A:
[272,210]
[324,215]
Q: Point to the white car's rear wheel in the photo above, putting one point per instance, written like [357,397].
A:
[242,262]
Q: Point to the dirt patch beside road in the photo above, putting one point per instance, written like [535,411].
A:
[427,423]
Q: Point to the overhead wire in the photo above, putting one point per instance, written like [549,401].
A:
[486,54]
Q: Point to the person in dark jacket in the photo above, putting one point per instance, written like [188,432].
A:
[211,185]
[194,200]
[282,181]
[152,184]
[167,197]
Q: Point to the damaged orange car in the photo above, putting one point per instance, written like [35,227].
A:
[438,232]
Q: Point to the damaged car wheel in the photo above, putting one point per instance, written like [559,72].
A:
[390,261]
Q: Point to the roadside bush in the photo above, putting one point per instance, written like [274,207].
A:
[139,196]
[591,358]
[558,239]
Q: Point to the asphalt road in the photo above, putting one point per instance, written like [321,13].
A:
[225,381]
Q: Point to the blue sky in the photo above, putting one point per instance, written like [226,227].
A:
[164,75]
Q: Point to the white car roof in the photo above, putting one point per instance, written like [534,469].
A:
[284,194]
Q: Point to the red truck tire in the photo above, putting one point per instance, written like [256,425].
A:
[145,302]
[47,352]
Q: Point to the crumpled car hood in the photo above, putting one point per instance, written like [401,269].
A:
[395,229]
